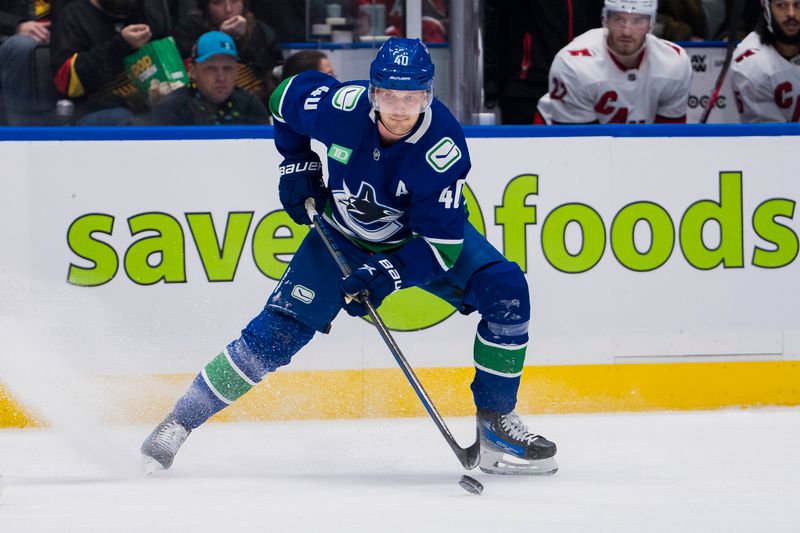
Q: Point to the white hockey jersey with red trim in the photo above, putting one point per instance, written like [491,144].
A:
[587,84]
[766,84]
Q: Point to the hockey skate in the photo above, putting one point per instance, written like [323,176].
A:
[508,448]
[159,449]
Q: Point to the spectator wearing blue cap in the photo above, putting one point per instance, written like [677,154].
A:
[212,97]
[258,45]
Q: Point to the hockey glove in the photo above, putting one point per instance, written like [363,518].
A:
[301,179]
[378,277]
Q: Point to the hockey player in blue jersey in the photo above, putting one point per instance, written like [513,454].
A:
[395,161]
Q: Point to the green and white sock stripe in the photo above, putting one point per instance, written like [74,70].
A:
[225,379]
[446,251]
[276,99]
[504,360]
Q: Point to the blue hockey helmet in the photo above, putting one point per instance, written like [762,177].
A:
[402,65]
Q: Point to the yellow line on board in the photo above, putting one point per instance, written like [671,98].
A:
[385,393]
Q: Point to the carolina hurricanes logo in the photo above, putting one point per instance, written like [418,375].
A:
[365,216]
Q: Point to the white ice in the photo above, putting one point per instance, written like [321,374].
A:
[721,471]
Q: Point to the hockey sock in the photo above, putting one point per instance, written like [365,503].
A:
[499,354]
[219,384]
[268,342]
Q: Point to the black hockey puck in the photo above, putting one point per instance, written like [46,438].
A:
[471,485]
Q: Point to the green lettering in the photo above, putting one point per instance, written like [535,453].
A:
[728,216]
[166,246]
[769,229]
[102,256]
[219,262]
[593,238]
[275,236]
[623,238]
[515,215]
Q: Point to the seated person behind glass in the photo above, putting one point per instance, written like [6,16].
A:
[212,97]
[306,60]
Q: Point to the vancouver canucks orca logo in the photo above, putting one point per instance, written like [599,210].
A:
[364,215]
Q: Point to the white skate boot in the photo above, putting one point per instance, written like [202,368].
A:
[159,449]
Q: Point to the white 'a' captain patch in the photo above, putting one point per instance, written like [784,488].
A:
[443,154]
[401,189]
[347,97]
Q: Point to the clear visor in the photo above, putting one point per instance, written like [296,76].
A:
[400,102]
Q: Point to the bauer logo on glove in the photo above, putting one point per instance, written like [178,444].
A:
[380,276]
[301,166]
[301,179]
[392,272]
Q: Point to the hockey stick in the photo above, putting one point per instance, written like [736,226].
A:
[736,14]
[469,457]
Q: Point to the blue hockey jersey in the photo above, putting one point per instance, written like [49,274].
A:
[404,199]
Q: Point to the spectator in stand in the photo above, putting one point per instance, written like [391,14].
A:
[688,20]
[619,74]
[703,20]
[212,98]
[24,25]
[256,41]
[306,60]
[521,38]
[751,14]
[765,73]
[90,39]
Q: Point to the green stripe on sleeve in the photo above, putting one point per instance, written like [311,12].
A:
[276,99]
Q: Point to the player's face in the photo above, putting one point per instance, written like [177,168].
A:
[400,109]
[626,32]
[216,77]
[786,15]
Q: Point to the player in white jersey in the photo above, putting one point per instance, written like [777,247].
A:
[619,73]
[765,73]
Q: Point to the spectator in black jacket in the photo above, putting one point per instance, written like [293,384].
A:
[256,41]
[89,41]
[24,25]
[212,98]
[522,37]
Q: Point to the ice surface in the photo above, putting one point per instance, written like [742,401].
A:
[722,471]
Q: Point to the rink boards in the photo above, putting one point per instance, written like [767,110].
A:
[662,263]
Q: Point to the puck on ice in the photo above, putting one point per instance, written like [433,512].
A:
[471,485]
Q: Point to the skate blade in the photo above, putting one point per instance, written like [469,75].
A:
[508,465]
[150,465]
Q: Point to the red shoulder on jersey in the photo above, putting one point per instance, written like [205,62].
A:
[582,52]
[746,53]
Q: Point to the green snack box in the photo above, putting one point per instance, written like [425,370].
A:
[155,64]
